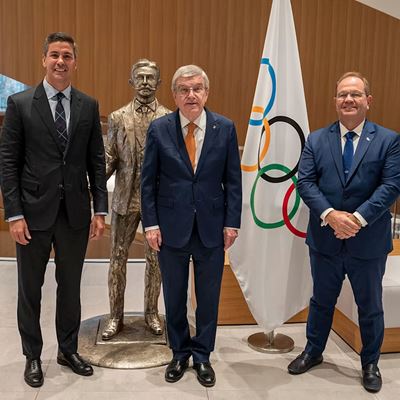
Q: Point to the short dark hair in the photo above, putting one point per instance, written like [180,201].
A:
[59,37]
[355,74]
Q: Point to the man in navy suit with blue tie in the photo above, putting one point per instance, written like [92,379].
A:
[191,207]
[349,176]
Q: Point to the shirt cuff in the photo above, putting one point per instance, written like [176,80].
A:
[15,218]
[324,214]
[101,213]
[151,228]
[360,218]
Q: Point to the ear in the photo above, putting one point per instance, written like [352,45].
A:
[369,101]
[44,61]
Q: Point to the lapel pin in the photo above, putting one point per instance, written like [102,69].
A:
[368,139]
[214,126]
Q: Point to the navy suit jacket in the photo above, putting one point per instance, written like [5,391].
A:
[372,186]
[34,168]
[173,196]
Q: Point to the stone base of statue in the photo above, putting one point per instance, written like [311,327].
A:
[134,347]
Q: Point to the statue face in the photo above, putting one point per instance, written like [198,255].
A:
[145,82]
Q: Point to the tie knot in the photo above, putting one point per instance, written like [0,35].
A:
[191,128]
[350,135]
[60,96]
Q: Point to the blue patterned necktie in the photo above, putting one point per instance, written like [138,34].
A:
[348,153]
[60,121]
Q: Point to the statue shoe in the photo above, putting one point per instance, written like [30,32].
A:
[154,323]
[113,326]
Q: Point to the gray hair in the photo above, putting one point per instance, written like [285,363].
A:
[187,71]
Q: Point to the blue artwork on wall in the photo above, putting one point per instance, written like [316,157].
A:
[9,86]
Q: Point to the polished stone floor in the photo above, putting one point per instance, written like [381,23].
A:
[241,372]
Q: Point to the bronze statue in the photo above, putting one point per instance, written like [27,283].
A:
[127,128]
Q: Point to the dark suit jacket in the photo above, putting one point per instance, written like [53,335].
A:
[34,169]
[372,186]
[172,195]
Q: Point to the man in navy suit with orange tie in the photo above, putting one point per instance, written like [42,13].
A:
[349,176]
[191,207]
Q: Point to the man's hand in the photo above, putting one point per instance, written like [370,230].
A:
[230,236]
[154,239]
[19,231]
[97,227]
[343,223]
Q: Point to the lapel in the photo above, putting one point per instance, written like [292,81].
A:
[42,107]
[212,129]
[76,105]
[336,149]
[175,132]
[366,138]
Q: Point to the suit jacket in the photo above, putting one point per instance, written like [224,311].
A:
[122,155]
[372,186]
[173,195]
[34,169]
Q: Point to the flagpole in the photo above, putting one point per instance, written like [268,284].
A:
[269,342]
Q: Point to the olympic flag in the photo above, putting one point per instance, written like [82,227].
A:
[270,258]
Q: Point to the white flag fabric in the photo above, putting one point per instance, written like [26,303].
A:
[270,258]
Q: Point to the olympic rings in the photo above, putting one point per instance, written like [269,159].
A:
[273,225]
[262,171]
[296,126]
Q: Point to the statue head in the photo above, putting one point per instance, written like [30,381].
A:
[145,79]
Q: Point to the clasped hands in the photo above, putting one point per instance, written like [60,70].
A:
[344,224]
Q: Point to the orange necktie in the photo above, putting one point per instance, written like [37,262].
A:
[191,143]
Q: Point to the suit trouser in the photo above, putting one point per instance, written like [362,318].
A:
[123,231]
[208,268]
[69,248]
[365,277]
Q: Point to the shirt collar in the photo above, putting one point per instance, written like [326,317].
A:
[200,121]
[357,130]
[152,105]
[52,91]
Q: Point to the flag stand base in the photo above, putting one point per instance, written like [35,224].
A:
[270,343]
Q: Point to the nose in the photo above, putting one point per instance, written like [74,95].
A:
[60,59]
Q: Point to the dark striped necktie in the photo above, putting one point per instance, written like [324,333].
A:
[61,122]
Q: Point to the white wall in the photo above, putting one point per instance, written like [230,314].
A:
[391,7]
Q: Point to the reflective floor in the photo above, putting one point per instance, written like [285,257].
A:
[241,372]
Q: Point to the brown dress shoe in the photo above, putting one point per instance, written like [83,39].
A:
[154,323]
[33,374]
[113,326]
[303,363]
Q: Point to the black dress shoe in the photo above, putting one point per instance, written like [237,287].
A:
[76,363]
[372,379]
[175,370]
[205,373]
[303,363]
[33,374]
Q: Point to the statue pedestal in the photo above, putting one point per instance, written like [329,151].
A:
[134,347]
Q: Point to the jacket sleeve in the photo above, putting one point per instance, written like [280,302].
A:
[96,165]
[11,159]
[232,182]
[149,179]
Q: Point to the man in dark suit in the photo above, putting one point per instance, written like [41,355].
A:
[51,143]
[191,207]
[349,175]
